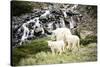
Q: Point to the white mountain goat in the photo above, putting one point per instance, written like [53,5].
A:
[73,42]
[56,46]
[59,33]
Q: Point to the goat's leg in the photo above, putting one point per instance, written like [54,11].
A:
[53,52]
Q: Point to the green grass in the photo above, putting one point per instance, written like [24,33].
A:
[88,39]
[37,52]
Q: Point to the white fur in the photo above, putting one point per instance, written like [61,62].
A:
[73,42]
[57,46]
[60,33]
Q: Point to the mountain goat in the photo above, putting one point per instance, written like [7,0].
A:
[59,33]
[72,42]
[56,46]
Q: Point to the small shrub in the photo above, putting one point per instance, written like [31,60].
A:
[88,39]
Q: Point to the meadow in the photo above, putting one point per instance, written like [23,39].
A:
[37,52]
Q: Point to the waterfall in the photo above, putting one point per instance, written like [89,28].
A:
[65,15]
[45,14]
[62,22]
